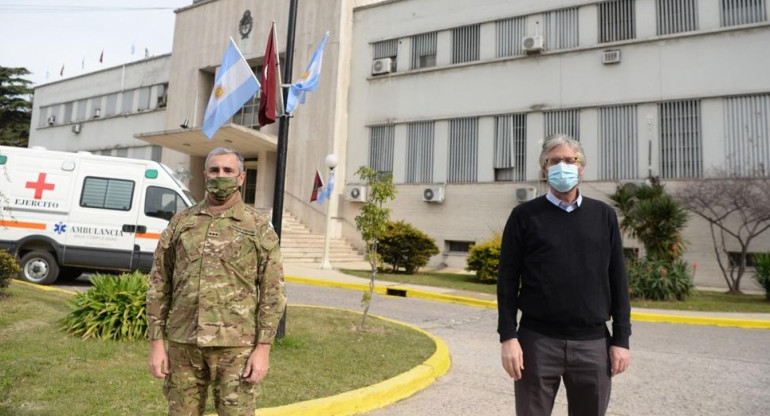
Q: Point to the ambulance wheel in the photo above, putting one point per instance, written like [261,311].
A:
[39,267]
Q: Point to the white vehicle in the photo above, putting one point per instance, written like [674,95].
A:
[64,213]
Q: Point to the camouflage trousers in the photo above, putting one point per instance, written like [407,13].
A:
[193,369]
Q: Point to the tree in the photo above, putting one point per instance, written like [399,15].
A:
[372,220]
[654,218]
[737,210]
[15,108]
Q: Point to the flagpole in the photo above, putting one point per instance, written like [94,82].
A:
[283,139]
[278,70]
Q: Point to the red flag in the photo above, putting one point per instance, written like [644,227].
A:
[318,183]
[101,57]
[267,95]
[61,73]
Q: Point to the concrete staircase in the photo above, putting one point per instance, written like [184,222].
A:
[298,245]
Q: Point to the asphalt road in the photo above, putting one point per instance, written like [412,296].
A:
[675,369]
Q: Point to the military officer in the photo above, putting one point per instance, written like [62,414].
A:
[215,297]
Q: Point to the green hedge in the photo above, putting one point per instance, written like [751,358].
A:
[484,259]
[9,268]
[114,308]
[659,280]
[404,246]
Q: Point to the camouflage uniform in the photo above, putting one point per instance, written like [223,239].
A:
[216,290]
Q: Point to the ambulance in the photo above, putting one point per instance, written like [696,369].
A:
[65,213]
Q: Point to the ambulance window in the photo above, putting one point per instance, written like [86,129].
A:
[162,203]
[107,193]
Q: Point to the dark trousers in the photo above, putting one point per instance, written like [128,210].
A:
[583,365]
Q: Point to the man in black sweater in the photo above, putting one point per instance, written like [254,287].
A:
[561,264]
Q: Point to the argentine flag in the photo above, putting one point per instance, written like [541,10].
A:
[234,86]
[308,80]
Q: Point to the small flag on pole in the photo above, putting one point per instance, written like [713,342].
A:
[327,191]
[61,73]
[266,112]
[83,63]
[309,79]
[318,185]
[234,86]
[101,57]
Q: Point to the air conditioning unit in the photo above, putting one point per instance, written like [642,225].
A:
[611,56]
[526,193]
[355,193]
[97,112]
[433,194]
[382,66]
[51,120]
[76,128]
[533,43]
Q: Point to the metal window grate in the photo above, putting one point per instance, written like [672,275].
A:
[616,20]
[463,149]
[511,147]
[563,122]
[466,43]
[381,144]
[419,152]
[675,16]
[424,50]
[747,135]
[561,29]
[742,12]
[680,140]
[387,49]
[508,36]
[618,143]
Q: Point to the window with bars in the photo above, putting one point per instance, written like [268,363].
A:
[616,20]
[424,50]
[381,144]
[563,122]
[618,143]
[466,43]
[680,140]
[387,49]
[127,105]
[561,29]
[68,112]
[747,135]
[742,12]
[419,152]
[463,149]
[675,16]
[111,108]
[511,147]
[81,115]
[144,99]
[96,107]
[162,95]
[508,36]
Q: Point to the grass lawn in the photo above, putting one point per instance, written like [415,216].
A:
[457,281]
[44,371]
[699,301]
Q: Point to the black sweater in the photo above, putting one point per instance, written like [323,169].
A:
[564,271]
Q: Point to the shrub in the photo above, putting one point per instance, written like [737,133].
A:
[402,245]
[9,268]
[114,308]
[484,259]
[659,280]
[762,271]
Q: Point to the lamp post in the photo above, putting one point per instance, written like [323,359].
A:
[331,163]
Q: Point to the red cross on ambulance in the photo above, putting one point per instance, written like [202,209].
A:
[40,185]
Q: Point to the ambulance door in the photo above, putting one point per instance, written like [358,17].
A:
[103,219]
[160,203]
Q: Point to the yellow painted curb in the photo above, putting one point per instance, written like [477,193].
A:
[42,287]
[636,316]
[701,320]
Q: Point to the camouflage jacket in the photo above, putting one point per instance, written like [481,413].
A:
[216,280]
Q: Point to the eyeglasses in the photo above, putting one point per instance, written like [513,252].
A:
[556,160]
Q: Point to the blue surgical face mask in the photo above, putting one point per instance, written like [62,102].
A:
[563,177]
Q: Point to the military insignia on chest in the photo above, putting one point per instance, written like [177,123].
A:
[213,234]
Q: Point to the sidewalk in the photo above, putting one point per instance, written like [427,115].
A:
[313,275]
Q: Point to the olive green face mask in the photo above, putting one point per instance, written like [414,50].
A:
[222,188]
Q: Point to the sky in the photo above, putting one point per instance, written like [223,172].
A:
[44,35]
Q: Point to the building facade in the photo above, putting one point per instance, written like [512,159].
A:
[454,99]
